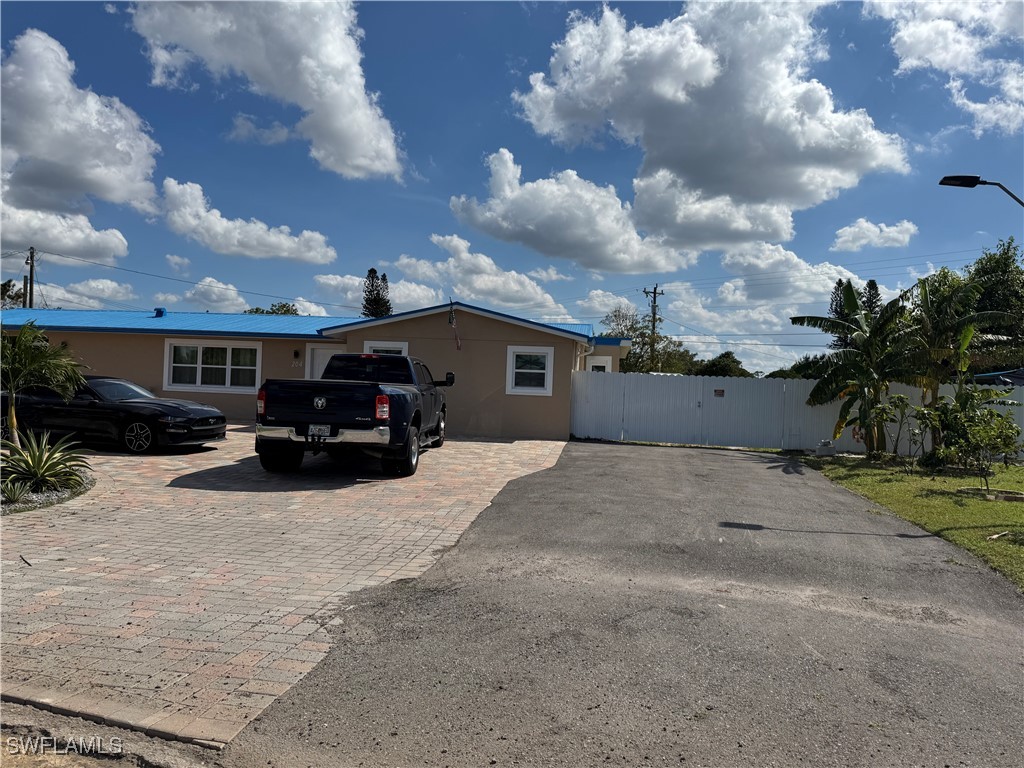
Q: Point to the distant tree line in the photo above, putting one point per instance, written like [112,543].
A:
[991,290]
[376,302]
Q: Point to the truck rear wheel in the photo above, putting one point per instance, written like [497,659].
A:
[280,460]
[405,466]
[439,431]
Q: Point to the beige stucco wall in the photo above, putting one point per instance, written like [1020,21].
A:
[616,353]
[139,357]
[477,404]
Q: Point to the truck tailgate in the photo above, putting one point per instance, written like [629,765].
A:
[345,404]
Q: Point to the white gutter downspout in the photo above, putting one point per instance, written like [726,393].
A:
[588,349]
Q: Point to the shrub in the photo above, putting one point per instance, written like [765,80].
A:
[13,491]
[44,467]
[974,432]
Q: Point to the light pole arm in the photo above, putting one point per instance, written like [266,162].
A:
[997,184]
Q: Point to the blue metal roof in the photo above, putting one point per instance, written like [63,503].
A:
[584,329]
[222,324]
[192,323]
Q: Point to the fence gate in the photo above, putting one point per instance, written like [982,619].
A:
[701,410]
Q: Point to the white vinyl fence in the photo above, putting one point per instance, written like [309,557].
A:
[724,411]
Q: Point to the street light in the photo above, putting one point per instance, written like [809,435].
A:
[973,181]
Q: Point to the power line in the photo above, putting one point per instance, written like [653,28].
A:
[190,282]
[725,343]
[779,277]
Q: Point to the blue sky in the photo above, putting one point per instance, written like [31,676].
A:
[549,160]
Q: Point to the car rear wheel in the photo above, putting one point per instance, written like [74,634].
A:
[138,437]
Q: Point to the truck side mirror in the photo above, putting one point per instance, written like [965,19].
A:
[449,380]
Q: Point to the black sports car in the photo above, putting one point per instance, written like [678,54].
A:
[113,410]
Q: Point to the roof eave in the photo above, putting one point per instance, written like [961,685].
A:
[413,314]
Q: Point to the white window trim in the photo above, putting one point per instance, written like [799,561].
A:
[168,358]
[549,372]
[339,349]
[369,345]
[605,360]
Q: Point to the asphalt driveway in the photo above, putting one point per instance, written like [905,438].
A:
[188,589]
[657,606]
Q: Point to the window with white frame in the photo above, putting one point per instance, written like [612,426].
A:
[211,366]
[529,370]
[385,347]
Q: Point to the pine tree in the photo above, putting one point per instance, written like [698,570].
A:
[376,302]
[837,309]
[871,297]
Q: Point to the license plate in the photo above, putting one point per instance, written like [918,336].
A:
[319,430]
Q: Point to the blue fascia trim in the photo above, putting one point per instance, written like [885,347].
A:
[179,332]
[446,306]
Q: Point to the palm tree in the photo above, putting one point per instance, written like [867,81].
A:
[28,360]
[944,324]
[861,374]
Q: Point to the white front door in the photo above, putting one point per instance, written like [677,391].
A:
[317,356]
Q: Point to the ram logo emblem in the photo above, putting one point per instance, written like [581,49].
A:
[319,403]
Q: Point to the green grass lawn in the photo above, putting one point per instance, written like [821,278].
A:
[934,505]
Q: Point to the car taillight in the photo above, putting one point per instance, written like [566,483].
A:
[261,403]
[383,407]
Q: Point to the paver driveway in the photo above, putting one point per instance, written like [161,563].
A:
[183,593]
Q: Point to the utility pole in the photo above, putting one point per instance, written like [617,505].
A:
[31,262]
[24,291]
[653,296]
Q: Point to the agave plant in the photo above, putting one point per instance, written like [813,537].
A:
[42,466]
[13,491]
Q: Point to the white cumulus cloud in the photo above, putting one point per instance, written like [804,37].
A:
[767,273]
[63,144]
[214,296]
[735,134]
[301,53]
[306,307]
[567,217]
[244,128]
[476,279]
[189,214]
[549,275]
[600,303]
[88,294]
[104,289]
[178,264]
[64,147]
[863,233]
[347,290]
[70,234]
[975,45]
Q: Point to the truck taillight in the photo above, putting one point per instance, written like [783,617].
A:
[261,403]
[383,407]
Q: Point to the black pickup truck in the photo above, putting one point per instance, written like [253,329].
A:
[388,406]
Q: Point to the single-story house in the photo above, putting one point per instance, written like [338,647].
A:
[222,359]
